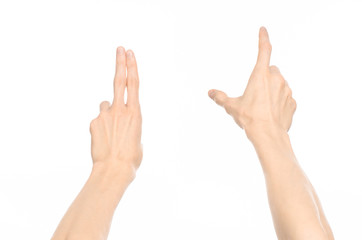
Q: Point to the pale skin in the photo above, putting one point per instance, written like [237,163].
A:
[264,111]
[116,152]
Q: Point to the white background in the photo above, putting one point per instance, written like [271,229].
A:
[200,177]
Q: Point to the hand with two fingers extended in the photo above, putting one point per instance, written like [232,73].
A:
[116,132]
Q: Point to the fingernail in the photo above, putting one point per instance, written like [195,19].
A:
[130,54]
[120,50]
[212,93]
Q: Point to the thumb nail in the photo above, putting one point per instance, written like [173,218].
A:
[212,94]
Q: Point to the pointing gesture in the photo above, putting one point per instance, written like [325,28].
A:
[267,101]
[265,112]
[264,49]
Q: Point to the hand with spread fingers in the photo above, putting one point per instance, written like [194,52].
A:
[116,132]
[267,101]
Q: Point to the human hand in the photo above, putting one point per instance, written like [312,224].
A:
[116,132]
[267,103]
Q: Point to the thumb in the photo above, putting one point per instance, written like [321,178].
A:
[218,96]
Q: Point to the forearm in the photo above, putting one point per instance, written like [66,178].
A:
[295,207]
[90,215]
[116,153]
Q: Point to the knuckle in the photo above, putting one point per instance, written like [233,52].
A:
[230,106]
[101,115]
[136,112]
[138,116]
[117,110]
[227,105]
[280,82]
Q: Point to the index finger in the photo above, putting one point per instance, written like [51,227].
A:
[119,83]
[265,48]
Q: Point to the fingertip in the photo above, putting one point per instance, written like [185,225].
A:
[263,34]
[131,61]
[132,79]
[104,106]
[265,48]
[121,61]
[211,93]
[263,29]
[120,76]
[130,55]
[120,50]
[121,56]
[218,96]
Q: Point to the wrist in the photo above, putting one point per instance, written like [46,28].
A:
[261,133]
[272,145]
[109,182]
[114,172]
